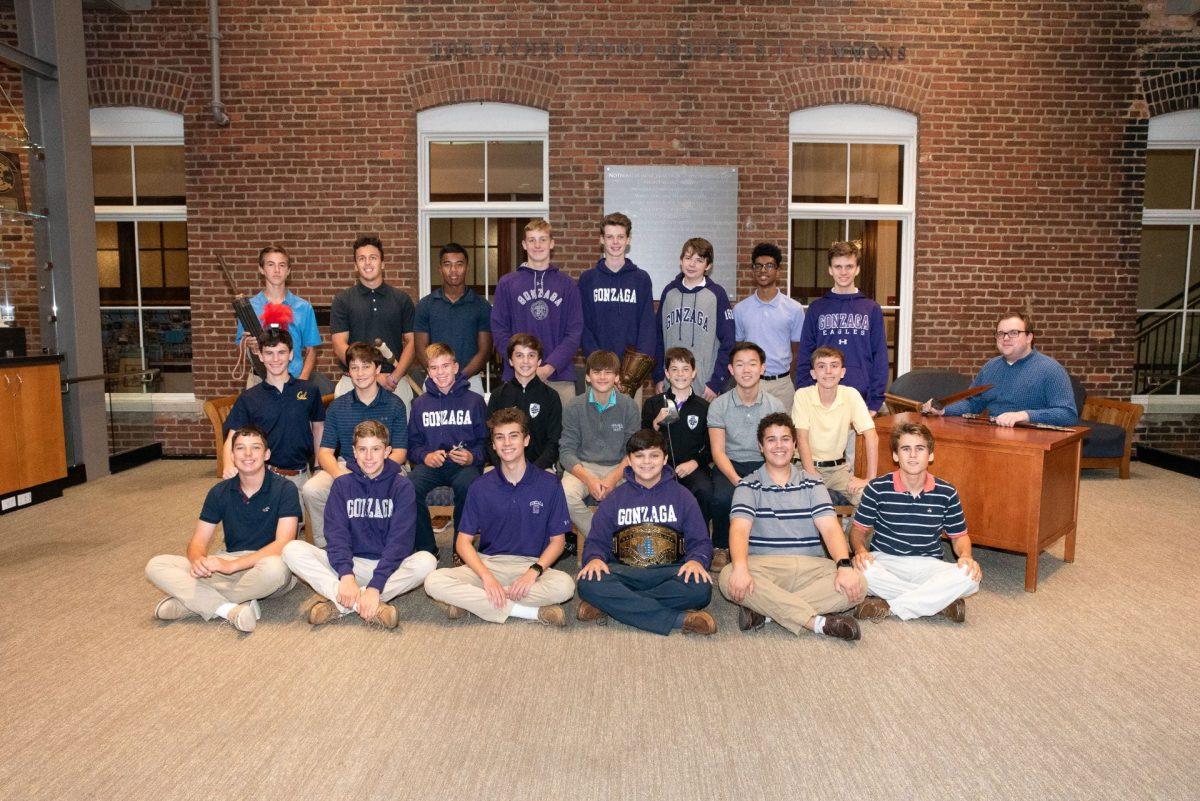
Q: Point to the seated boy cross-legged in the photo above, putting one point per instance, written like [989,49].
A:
[909,510]
[657,579]
[778,570]
[368,559]
[520,516]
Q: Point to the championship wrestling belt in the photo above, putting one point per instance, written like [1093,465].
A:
[635,369]
[647,545]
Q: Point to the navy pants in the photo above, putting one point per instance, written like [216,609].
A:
[648,598]
[722,500]
[424,479]
[699,483]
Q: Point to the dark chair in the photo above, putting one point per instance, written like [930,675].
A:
[922,385]
[1110,423]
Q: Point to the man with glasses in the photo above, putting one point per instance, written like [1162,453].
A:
[772,320]
[1027,385]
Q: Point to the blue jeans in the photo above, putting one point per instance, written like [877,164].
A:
[424,479]
[648,598]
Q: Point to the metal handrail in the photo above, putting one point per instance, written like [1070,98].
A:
[148,374]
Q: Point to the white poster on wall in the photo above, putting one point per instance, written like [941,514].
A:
[670,205]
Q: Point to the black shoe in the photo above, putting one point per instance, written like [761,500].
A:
[571,547]
[749,620]
[843,627]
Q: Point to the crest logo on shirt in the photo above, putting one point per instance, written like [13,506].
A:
[539,309]
[302,395]
[534,408]
[536,507]
[618,426]
[693,421]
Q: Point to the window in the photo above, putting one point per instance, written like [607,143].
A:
[853,177]
[483,171]
[142,247]
[1168,323]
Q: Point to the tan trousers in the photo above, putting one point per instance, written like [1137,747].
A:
[311,564]
[790,589]
[314,495]
[172,574]
[577,492]
[565,390]
[782,388]
[461,587]
[838,478]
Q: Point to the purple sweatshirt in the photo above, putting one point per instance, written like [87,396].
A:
[853,324]
[544,303]
[667,503]
[441,421]
[372,518]
[618,309]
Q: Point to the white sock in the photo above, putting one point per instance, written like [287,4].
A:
[224,609]
[257,610]
[524,612]
[819,624]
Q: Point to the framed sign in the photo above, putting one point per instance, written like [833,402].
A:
[12,190]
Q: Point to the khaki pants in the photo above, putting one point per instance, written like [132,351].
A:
[838,478]
[565,390]
[577,492]
[311,564]
[790,590]
[172,574]
[782,388]
[462,587]
[314,495]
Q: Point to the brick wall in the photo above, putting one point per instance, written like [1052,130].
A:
[1031,139]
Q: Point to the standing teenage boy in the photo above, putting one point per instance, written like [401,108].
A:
[773,320]
[694,313]
[369,559]
[909,510]
[537,298]
[274,265]
[681,416]
[453,313]
[542,406]
[617,296]
[446,432]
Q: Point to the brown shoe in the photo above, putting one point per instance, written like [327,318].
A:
[552,615]
[171,608]
[749,620]
[452,612]
[699,623]
[322,612]
[956,611]
[386,617]
[455,560]
[719,560]
[872,608]
[588,613]
[842,627]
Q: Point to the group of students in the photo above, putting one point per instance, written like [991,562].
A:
[762,464]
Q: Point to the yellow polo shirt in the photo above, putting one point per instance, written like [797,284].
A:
[829,426]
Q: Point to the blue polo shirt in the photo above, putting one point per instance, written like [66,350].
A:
[348,411]
[286,416]
[303,327]
[515,519]
[250,523]
[457,324]
[773,325]
[907,525]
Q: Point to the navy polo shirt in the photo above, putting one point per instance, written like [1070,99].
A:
[515,519]
[368,314]
[250,523]
[286,416]
[457,324]
[907,525]
[348,411]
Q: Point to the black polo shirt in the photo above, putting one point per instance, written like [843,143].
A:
[368,314]
[286,416]
[250,523]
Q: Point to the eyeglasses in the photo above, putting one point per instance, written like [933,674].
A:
[1013,334]
[767,266]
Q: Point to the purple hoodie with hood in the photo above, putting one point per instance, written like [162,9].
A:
[544,303]
[372,518]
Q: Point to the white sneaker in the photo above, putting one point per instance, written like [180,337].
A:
[242,617]
[171,608]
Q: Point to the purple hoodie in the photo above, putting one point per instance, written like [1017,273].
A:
[372,518]
[544,303]
[618,309]
[667,503]
[852,323]
[439,422]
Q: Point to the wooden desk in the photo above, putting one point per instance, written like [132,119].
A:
[1019,486]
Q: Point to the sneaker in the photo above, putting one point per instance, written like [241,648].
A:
[323,612]
[873,608]
[552,615]
[456,560]
[719,560]
[699,623]
[749,620]
[588,613]
[956,611]
[386,617]
[242,617]
[171,608]
[843,627]
[452,612]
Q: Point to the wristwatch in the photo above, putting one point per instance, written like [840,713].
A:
[540,570]
[845,563]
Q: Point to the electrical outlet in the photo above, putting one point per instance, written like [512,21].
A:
[8,503]
[24,499]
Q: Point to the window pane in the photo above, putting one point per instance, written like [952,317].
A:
[514,171]
[1158,340]
[149,235]
[106,235]
[108,264]
[460,230]
[151,264]
[455,171]
[818,172]
[879,274]
[121,345]
[167,338]
[810,267]
[876,173]
[1169,175]
[176,266]
[160,178]
[1164,260]
[112,176]
[174,235]
[116,263]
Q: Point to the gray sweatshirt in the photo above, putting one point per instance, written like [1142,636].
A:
[589,435]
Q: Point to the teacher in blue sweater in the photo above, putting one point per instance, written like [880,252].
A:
[1027,385]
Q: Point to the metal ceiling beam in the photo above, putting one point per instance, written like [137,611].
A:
[28,63]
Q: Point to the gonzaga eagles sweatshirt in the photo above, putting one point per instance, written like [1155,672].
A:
[544,303]
[701,320]
[852,323]
[440,421]
[372,518]
[666,503]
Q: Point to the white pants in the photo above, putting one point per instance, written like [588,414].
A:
[462,586]
[312,565]
[577,493]
[917,586]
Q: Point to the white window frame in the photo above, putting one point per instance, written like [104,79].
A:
[847,123]
[127,127]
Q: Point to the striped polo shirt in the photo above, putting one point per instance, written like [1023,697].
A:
[906,524]
[348,411]
[781,518]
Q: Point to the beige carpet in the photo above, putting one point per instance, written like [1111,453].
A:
[1086,689]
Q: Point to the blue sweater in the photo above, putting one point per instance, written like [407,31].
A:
[618,309]
[1036,384]
[441,421]
[667,503]
[852,323]
[372,518]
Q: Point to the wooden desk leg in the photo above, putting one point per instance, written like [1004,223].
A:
[1031,568]
[1069,546]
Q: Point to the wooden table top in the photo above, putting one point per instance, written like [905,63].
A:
[956,429]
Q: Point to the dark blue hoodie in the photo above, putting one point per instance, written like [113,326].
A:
[372,518]
[852,323]
[439,422]
[618,309]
